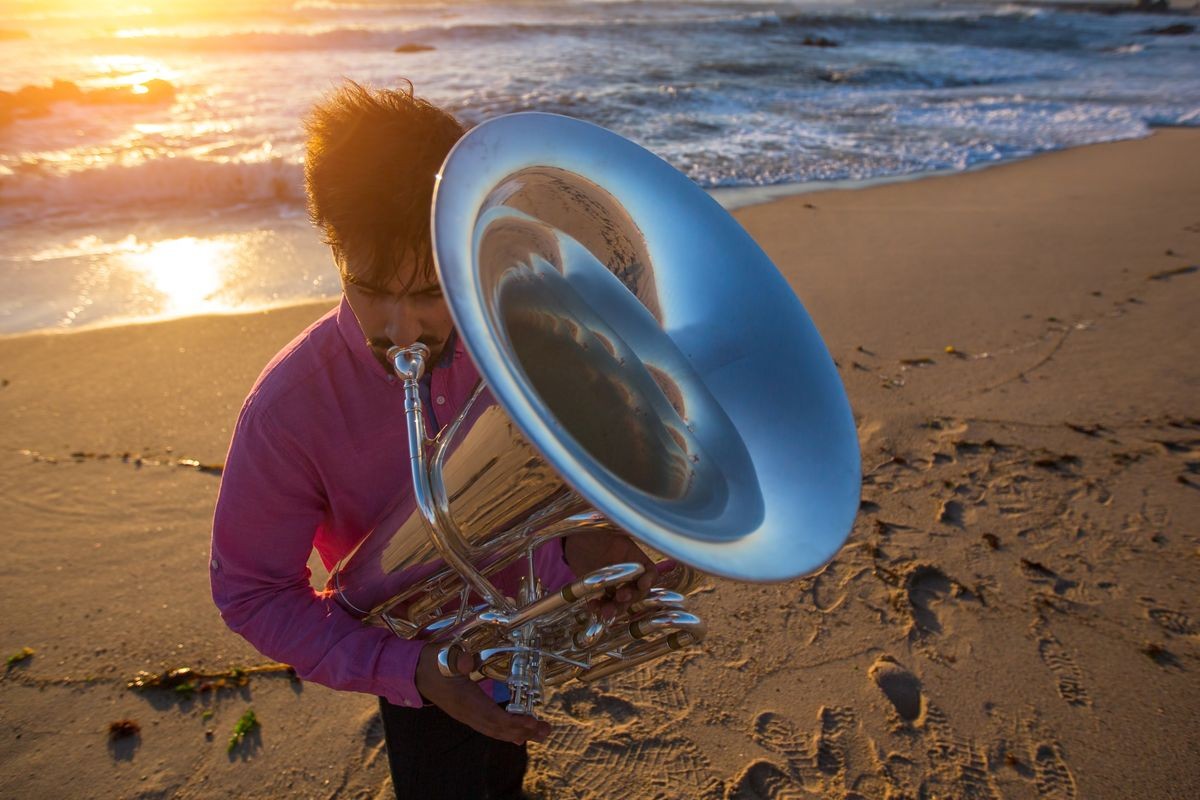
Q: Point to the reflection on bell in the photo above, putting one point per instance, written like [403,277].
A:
[591,380]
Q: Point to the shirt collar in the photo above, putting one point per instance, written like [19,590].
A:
[356,340]
[456,352]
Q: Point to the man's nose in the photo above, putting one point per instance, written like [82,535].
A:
[403,327]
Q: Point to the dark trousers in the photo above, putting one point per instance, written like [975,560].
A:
[435,757]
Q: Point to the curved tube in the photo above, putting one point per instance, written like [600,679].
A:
[409,365]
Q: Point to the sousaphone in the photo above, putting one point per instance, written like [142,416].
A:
[645,369]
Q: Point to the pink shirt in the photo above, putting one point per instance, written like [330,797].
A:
[319,453]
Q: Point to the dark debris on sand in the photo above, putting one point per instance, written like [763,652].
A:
[123,729]
[1167,274]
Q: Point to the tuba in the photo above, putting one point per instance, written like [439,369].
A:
[646,370]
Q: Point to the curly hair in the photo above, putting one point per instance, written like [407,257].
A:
[369,168]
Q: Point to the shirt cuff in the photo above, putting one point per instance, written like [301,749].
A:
[397,672]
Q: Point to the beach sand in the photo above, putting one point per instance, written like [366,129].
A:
[1016,614]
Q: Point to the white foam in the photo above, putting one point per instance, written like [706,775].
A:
[167,181]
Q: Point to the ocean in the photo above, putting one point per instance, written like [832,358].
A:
[165,179]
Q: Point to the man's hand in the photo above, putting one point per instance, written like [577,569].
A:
[461,698]
[588,552]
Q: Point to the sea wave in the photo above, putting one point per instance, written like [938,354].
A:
[178,182]
[1001,27]
[355,37]
[996,27]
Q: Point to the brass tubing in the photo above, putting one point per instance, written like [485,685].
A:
[679,629]
[652,650]
[447,625]
[658,600]
[583,589]
[409,364]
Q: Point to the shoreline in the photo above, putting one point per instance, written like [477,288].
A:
[124,322]
[736,198]
[733,199]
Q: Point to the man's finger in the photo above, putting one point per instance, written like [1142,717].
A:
[488,718]
[520,729]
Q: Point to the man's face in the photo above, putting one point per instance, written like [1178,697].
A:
[408,309]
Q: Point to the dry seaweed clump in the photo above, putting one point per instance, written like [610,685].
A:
[187,681]
[245,725]
[21,655]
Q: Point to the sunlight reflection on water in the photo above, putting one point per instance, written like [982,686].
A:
[160,274]
[188,273]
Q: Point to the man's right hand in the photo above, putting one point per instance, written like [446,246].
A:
[461,698]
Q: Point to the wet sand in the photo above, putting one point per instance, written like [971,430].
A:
[1015,614]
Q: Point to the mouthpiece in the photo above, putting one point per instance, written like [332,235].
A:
[409,362]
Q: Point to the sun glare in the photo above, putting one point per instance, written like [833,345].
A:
[131,71]
[188,272]
[117,9]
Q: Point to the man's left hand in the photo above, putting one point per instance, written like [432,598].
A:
[588,552]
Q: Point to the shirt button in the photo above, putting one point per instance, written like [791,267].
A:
[215,565]
[441,401]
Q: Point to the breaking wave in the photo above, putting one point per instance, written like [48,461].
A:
[160,183]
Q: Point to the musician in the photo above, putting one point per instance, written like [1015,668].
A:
[320,452]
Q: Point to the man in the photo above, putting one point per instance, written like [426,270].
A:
[320,453]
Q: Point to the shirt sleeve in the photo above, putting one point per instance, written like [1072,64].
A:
[551,566]
[268,511]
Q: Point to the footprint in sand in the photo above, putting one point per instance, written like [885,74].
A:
[824,764]
[658,695]
[777,734]
[1069,677]
[960,768]
[586,704]
[1174,621]
[1035,755]
[1039,573]
[828,587]
[676,766]
[927,586]
[762,780]
[927,589]
[900,687]
[832,744]
[598,765]
[1052,777]
[951,513]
